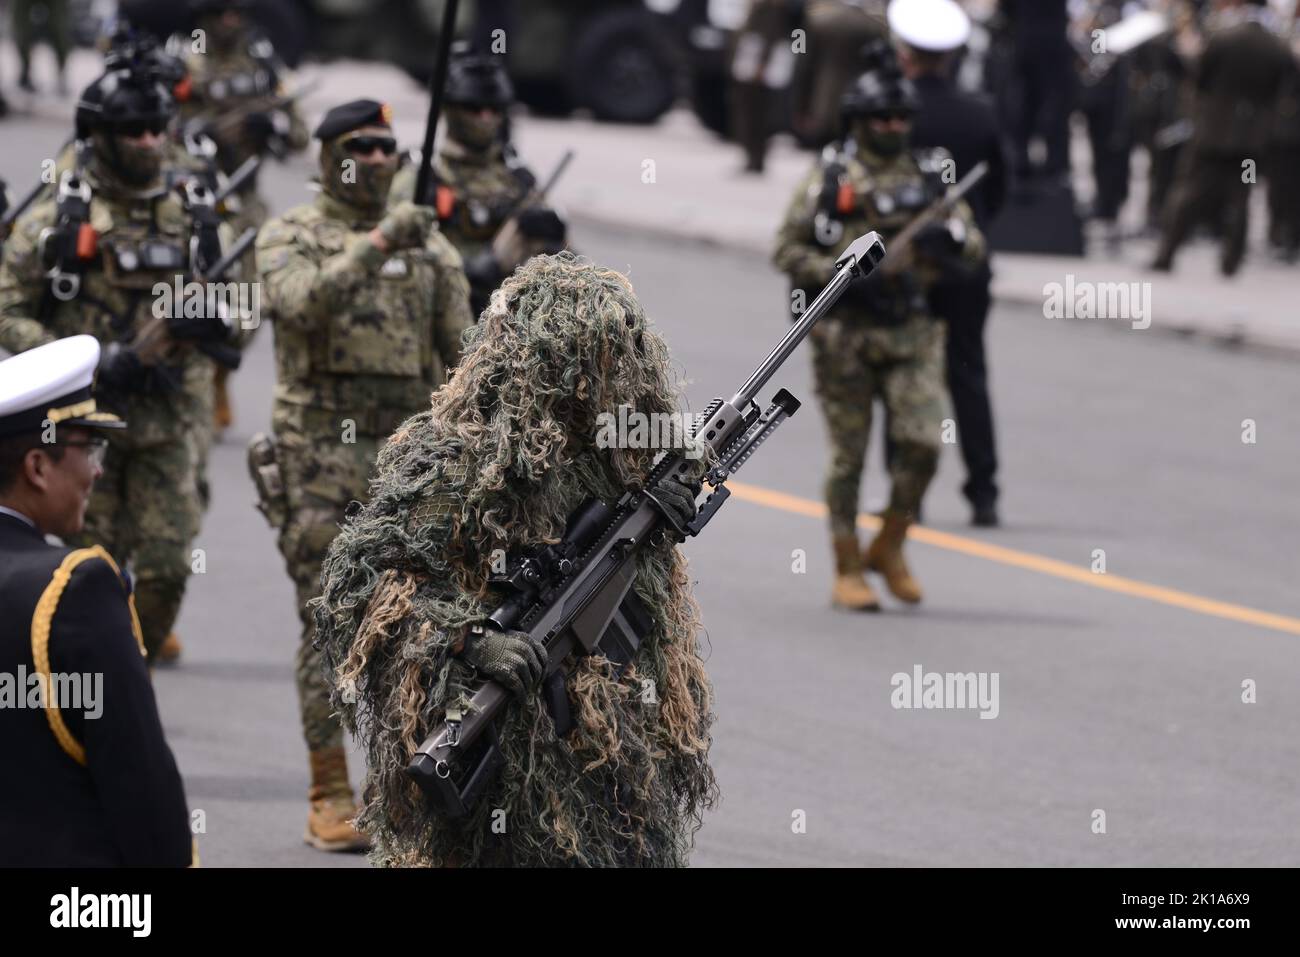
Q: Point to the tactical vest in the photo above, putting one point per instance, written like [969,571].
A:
[257,76]
[225,85]
[474,202]
[104,257]
[855,197]
[109,256]
[375,358]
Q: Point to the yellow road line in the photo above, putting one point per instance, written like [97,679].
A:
[1034,563]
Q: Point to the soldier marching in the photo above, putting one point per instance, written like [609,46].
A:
[374,294]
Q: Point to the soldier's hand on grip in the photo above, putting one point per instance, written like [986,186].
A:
[407,225]
[941,241]
[511,658]
[676,500]
[260,127]
[543,225]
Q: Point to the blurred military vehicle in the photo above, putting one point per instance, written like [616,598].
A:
[620,59]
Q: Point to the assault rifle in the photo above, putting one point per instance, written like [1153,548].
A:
[216,123]
[900,246]
[154,337]
[571,596]
[509,232]
[235,182]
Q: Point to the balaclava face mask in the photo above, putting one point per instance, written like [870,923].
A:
[222,34]
[472,128]
[888,144]
[136,165]
[360,184]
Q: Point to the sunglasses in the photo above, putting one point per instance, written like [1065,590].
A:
[96,449]
[137,128]
[365,145]
[892,117]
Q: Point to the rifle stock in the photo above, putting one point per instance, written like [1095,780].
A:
[569,597]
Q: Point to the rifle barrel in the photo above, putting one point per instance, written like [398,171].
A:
[237,249]
[556,173]
[237,179]
[859,259]
[437,81]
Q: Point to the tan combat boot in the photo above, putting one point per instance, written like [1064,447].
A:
[222,417]
[169,650]
[329,822]
[851,590]
[885,556]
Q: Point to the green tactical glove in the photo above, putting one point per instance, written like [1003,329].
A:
[511,658]
[407,225]
[676,500]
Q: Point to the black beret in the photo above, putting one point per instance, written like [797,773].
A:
[353,116]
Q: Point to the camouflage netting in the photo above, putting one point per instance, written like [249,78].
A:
[506,452]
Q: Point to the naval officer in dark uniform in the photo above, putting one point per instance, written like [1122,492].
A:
[927,33]
[91,782]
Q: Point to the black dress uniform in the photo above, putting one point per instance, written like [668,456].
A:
[966,126]
[94,785]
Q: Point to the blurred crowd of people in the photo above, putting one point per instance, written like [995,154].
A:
[1199,86]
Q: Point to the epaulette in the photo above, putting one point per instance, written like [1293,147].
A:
[42,621]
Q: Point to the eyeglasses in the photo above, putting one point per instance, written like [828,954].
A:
[135,129]
[365,145]
[96,449]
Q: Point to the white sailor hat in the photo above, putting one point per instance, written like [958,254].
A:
[933,25]
[51,383]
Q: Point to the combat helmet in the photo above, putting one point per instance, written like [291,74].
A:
[881,87]
[478,80]
[125,101]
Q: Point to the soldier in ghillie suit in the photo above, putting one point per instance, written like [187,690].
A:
[881,339]
[485,196]
[368,305]
[507,451]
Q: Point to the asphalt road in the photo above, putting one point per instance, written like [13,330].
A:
[1113,695]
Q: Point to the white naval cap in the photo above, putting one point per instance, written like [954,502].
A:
[51,383]
[934,25]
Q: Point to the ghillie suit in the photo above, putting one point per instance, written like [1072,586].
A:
[506,452]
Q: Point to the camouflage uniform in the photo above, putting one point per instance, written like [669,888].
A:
[226,83]
[479,190]
[480,183]
[234,78]
[361,341]
[895,352]
[145,508]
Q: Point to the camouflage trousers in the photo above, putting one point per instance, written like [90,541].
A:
[904,367]
[145,510]
[201,437]
[322,474]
